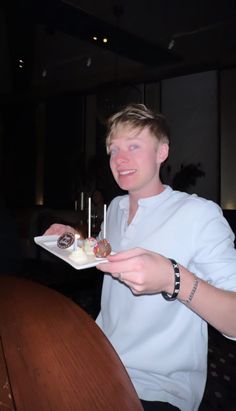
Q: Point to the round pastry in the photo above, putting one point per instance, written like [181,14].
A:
[89,244]
[66,240]
[102,248]
[79,256]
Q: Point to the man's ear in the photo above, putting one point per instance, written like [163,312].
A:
[163,152]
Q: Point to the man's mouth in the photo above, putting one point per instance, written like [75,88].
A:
[126,172]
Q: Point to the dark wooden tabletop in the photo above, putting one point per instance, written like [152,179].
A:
[53,357]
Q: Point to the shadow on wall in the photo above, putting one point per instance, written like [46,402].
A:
[187,176]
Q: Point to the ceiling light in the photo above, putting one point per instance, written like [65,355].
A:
[20,63]
[171,44]
[44,73]
[88,62]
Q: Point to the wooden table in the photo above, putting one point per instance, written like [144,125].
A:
[53,357]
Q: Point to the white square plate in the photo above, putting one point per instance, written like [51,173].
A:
[49,243]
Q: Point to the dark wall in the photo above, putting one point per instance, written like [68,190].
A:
[18,155]
[230,216]
[64,151]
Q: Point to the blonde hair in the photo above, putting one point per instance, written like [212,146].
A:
[138,116]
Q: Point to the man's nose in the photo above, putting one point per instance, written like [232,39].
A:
[122,157]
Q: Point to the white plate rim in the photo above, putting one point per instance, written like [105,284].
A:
[43,240]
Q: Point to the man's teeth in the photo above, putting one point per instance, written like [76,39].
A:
[125,172]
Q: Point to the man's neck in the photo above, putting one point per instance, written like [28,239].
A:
[134,197]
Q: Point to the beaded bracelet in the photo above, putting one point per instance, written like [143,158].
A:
[174,295]
[194,289]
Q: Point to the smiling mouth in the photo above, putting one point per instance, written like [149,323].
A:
[126,172]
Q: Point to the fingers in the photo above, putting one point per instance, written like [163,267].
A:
[125,261]
[126,271]
[114,267]
[139,269]
[58,229]
[122,261]
[124,255]
[129,279]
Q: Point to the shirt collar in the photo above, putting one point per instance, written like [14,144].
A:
[149,201]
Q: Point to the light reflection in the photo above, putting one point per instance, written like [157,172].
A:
[230,205]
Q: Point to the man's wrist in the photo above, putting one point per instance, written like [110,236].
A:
[193,291]
[176,288]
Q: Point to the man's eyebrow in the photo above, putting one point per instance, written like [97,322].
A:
[129,138]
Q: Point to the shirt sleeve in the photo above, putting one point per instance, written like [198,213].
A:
[215,255]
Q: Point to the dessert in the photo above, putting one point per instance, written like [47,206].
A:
[85,251]
[65,240]
[79,256]
[90,250]
[89,244]
[102,248]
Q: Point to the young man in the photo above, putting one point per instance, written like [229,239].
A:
[174,269]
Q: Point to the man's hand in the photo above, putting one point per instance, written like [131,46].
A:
[145,272]
[59,229]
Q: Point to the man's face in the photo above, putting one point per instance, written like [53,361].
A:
[135,159]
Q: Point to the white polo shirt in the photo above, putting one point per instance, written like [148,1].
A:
[162,344]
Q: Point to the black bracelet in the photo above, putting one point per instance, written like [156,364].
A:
[174,295]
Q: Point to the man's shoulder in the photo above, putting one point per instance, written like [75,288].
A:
[193,202]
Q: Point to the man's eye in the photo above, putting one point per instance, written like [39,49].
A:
[133,147]
[112,151]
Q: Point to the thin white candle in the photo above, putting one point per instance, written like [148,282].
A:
[77,236]
[82,201]
[89,217]
[104,220]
